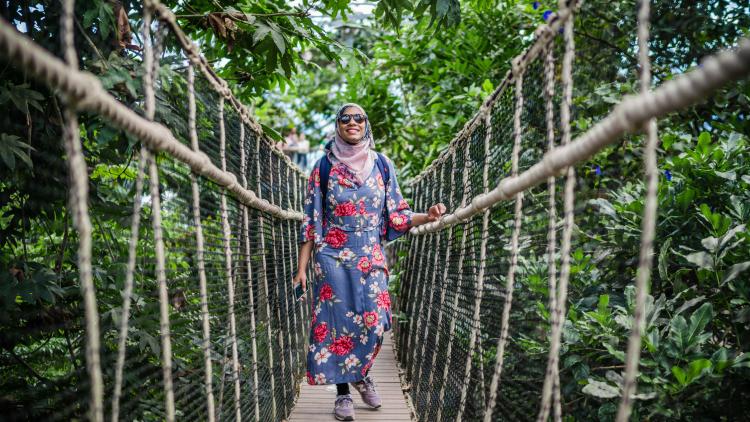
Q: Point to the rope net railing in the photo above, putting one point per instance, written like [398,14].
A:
[494,293]
[192,250]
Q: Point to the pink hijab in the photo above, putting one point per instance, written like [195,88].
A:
[359,158]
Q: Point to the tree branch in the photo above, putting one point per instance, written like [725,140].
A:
[241,16]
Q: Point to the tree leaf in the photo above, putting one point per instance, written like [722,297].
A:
[734,271]
[601,389]
[260,32]
[278,39]
[663,265]
[701,259]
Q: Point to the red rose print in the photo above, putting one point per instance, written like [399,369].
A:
[310,379]
[341,346]
[371,319]
[310,232]
[402,205]
[343,181]
[364,265]
[326,292]
[377,255]
[383,300]
[320,332]
[315,177]
[399,221]
[336,237]
[344,210]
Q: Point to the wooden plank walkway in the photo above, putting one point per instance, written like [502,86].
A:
[315,402]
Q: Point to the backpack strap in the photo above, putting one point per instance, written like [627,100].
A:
[325,172]
[386,175]
[384,170]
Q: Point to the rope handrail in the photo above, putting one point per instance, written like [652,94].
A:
[87,94]
[627,117]
[543,34]
[192,51]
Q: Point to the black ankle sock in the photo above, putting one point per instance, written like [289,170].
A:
[342,389]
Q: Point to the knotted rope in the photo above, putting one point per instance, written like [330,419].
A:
[648,226]
[161,276]
[199,255]
[518,75]
[78,203]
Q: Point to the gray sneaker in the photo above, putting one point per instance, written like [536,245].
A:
[366,389]
[343,408]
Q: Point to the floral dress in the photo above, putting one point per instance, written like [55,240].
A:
[351,306]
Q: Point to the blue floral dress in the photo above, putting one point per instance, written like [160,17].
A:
[351,308]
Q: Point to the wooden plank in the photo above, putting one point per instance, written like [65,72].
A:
[315,402]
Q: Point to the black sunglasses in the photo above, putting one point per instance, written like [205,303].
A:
[346,118]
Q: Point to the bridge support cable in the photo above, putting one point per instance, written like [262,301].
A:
[551,388]
[229,269]
[518,75]
[78,202]
[416,301]
[459,287]
[558,312]
[428,289]
[159,253]
[445,279]
[249,273]
[264,275]
[648,226]
[200,259]
[408,287]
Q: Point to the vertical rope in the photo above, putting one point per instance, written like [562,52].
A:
[431,289]
[199,255]
[551,380]
[291,243]
[285,280]
[454,314]
[416,309]
[127,293]
[166,341]
[265,282]
[558,319]
[78,202]
[445,277]
[248,264]
[275,244]
[229,268]
[482,264]
[648,226]
[407,305]
[518,74]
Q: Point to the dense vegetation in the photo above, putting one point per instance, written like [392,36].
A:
[420,68]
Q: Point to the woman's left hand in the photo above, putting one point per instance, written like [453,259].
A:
[435,211]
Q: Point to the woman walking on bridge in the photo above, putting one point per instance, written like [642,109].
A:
[353,203]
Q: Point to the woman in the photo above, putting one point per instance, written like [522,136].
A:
[351,306]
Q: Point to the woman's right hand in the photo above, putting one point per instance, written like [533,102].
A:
[301,277]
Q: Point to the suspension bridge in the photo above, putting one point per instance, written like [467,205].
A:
[213,235]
